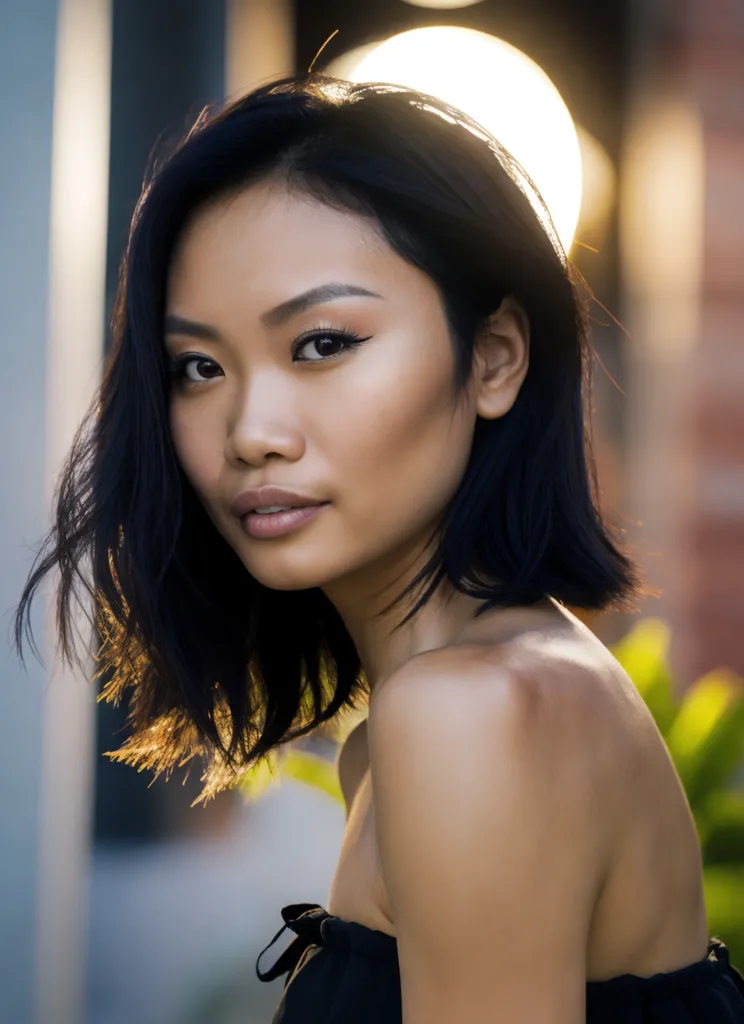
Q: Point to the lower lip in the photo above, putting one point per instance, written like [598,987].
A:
[277,524]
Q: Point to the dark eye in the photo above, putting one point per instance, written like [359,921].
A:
[329,344]
[206,369]
[179,368]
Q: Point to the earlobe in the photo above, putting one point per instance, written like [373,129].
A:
[502,358]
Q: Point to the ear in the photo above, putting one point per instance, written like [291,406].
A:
[501,355]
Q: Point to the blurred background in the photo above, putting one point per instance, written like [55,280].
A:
[120,903]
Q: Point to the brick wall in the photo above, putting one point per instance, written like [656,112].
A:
[685,467]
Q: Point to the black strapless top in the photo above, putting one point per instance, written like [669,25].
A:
[342,972]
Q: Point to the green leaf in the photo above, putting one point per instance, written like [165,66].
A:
[314,771]
[259,777]
[643,655]
[706,739]
[721,828]
[724,900]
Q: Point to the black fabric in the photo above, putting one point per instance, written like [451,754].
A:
[341,972]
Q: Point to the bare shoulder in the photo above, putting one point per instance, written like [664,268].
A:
[558,702]
[483,758]
[566,685]
[491,754]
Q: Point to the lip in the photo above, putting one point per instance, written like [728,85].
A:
[277,524]
[268,495]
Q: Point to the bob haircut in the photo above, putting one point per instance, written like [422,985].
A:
[216,663]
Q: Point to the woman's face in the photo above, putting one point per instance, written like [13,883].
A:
[275,398]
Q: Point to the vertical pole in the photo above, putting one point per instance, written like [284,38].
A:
[80,164]
[259,43]
[56,66]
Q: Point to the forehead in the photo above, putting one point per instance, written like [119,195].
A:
[268,237]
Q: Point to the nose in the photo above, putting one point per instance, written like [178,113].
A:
[264,422]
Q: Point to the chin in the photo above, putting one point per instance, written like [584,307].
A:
[285,577]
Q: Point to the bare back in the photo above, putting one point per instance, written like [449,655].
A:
[649,915]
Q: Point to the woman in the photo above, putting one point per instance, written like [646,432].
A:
[347,382]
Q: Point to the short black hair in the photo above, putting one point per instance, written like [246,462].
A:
[215,663]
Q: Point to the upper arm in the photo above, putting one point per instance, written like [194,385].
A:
[484,824]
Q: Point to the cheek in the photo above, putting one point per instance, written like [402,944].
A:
[197,452]
[404,442]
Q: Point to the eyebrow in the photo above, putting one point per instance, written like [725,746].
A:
[278,314]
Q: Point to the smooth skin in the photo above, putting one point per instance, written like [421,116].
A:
[513,816]
[374,430]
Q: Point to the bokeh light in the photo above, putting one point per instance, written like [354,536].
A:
[442,4]
[499,86]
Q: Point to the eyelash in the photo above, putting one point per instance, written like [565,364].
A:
[177,366]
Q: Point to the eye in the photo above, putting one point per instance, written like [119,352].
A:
[178,368]
[325,339]
[339,341]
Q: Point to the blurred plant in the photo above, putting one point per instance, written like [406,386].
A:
[313,769]
[303,761]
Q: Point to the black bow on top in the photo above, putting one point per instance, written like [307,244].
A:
[305,920]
